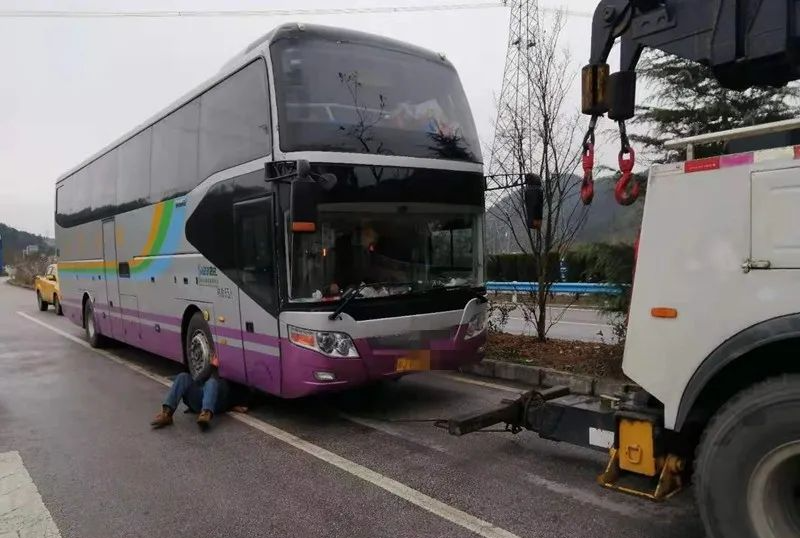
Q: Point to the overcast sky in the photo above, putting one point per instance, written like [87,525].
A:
[70,86]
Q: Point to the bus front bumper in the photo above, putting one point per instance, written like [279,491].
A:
[306,372]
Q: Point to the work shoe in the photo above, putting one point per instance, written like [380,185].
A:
[204,419]
[164,418]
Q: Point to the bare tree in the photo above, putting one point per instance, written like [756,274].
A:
[538,133]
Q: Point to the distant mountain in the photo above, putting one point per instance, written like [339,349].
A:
[609,222]
[606,221]
[15,241]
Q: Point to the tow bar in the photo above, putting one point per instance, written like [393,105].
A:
[624,426]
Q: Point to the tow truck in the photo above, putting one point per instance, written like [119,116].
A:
[714,323]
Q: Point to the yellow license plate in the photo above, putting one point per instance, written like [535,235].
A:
[414,362]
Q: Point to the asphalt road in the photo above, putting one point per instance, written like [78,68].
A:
[587,324]
[74,424]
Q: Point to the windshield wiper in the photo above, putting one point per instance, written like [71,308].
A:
[352,293]
[469,287]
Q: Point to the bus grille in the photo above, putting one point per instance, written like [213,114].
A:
[409,340]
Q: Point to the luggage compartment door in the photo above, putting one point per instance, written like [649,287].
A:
[114,326]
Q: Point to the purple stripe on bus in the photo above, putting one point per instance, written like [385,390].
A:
[258,338]
[171,320]
[293,373]
[229,332]
[300,364]
[231,363]
[264,372]
[160,318]
[73,313]
[165,343]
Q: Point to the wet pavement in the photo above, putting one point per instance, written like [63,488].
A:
[364,463]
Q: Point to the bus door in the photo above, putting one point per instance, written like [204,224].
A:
[110,320]
[256,265]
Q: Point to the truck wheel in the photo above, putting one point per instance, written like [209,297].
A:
[41,302]
[747,472]
[199,348]
[57,305]
[92,335]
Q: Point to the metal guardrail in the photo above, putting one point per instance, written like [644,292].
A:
[557,287]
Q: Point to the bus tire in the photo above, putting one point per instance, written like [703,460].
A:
[40,302]
[199,348]
[747,471]
[57,305]
[90,327]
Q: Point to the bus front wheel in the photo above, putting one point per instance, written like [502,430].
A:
[199,348]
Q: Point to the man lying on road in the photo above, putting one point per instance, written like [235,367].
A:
[209,397]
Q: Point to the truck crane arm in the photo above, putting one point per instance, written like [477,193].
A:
[745,43]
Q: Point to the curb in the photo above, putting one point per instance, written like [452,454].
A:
[539,376]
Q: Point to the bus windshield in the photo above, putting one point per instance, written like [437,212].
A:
[396,244]
[351,97]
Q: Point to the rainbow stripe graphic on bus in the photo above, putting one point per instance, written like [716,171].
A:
[166,230]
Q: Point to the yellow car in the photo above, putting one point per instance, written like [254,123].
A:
[47,290]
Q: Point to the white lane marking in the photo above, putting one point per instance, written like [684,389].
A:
[445,511]
[636,508]
[110,356]
[22,511]
[434,506]
[587,497]
[18,355]
[456,377]
[389,430]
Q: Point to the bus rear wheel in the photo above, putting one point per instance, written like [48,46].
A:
[747,472]
[198,348]
[90,326]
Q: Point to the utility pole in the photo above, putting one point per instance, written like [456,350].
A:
[506,161]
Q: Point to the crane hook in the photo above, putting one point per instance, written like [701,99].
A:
[587,185]
[621,192]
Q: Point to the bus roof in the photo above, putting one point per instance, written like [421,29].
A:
[258,48]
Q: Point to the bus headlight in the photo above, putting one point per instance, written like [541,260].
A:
[476,325]
[332,344]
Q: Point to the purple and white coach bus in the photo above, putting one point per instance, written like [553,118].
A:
[312,215]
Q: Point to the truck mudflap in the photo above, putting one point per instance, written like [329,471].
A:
[625,427]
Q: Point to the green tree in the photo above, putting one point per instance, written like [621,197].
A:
[686,100]
[613,264]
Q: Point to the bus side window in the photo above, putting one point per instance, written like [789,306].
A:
[254,250]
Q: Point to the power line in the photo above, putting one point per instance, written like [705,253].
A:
[245,12]
[56,14]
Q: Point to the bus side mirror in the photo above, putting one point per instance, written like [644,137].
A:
[534,201]
[303,169]
[303,205]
